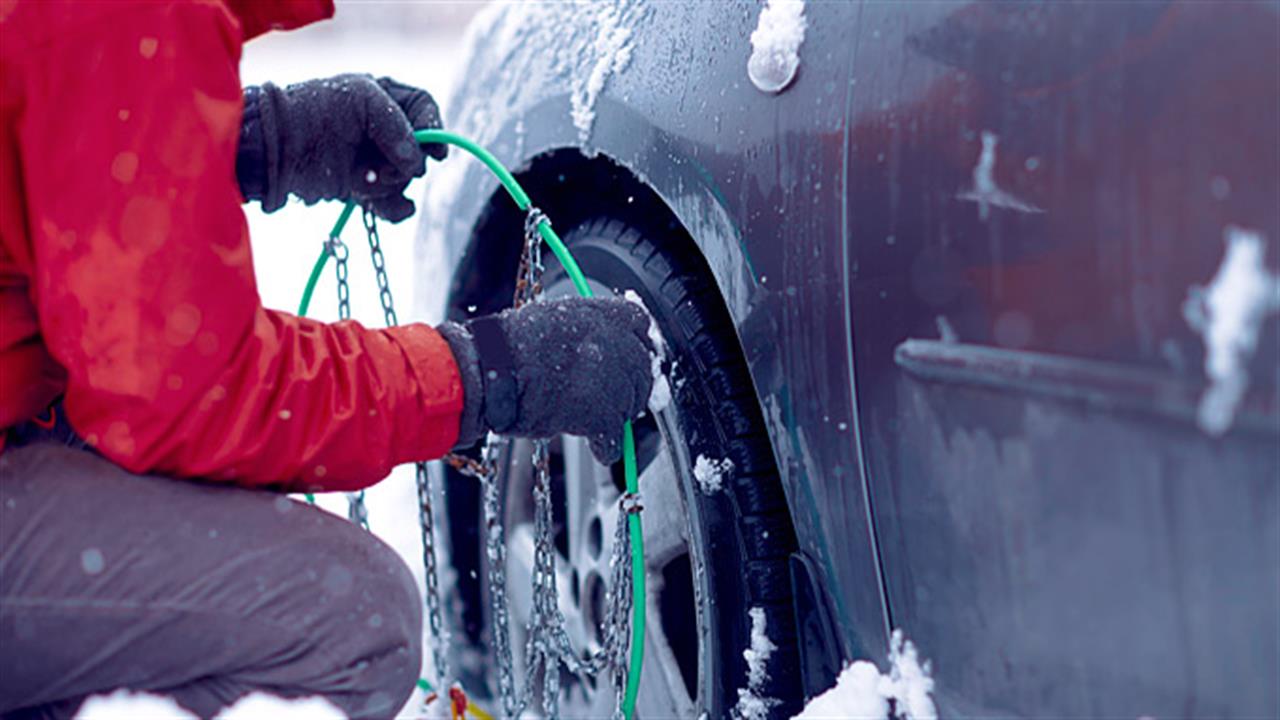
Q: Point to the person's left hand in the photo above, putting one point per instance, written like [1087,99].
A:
[346,138]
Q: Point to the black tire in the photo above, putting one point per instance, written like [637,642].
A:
[744,531]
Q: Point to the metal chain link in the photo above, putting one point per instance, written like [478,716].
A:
[547,643]
[485,471]
[618,600]
[379,267]
[338,249]
[434,621]
[356,510]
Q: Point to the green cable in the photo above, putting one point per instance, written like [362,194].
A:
[579,280]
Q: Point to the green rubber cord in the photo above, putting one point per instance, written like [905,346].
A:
[566,259]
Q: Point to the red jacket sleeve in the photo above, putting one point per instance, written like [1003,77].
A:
[144,280]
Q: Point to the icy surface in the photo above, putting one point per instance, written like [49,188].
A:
[752,705]
[710,474]
[660,395]
[775,45]
[863,692]
[985,191]
[125,705]
[1228,314]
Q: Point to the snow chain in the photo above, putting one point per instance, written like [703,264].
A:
[548,646]
[356,510]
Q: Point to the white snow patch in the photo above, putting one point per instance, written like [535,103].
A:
[761,649]
[126,705]
[710,474]
[1228,314]
[855,695]
[986,192]
[751,704]
[611,49]
[775,45]
[863,692]
[660,395]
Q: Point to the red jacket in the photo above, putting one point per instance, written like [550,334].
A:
[126,278]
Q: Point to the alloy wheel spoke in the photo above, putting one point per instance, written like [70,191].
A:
[665,529]
[583,494]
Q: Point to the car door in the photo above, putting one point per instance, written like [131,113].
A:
[1073,519]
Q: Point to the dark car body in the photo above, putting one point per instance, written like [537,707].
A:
[958,249]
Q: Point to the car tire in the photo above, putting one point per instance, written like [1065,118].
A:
[740,537]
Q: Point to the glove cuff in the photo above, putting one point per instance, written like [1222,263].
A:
[498,371]
[251,170]
[270,99]
[471,426]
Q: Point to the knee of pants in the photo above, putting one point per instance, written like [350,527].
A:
[369,612]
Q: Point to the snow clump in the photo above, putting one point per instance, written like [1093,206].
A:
[710,473]
[126,705]
[861,691]
[1228,314]
[775,45]
[660,395]
[751,704]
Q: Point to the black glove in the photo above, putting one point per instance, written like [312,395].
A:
[576,366]
[346,138]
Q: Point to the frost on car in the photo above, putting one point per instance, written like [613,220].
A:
[973,335]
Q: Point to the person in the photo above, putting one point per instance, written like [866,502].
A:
[154,413]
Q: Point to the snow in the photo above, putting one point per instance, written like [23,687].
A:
[578,46]
[710,474]
[91,561]
[751,704]
[660,394]
[986,192]
[125,705]
[775,45]
[856,695]
[862,692]
[761,649]
[1228,314]
[611,52]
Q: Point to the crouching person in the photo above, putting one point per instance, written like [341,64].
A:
[153,413]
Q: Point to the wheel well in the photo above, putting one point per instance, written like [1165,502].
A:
[570,188]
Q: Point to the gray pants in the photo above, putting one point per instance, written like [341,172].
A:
[204,593]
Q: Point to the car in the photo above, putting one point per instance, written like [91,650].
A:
[973,314]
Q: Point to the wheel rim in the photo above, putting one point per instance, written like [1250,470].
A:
[585,494]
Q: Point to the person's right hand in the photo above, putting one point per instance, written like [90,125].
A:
[580,366]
